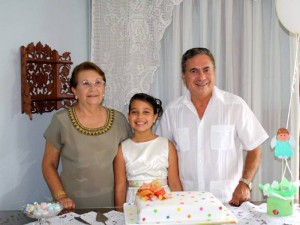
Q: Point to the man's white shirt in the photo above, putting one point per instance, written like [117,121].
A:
[210,150]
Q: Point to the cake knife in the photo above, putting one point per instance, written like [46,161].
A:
[101,218]
[81,220]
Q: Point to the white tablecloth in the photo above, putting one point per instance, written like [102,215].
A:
[247,214]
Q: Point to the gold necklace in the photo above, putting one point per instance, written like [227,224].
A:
[92,131]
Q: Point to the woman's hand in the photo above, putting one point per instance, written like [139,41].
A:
[49,166]
[66,203]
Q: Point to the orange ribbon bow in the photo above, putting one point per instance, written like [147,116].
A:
[149,191]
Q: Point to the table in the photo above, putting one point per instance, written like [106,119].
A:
[17,217]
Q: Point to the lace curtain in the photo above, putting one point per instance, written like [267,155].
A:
[125,44]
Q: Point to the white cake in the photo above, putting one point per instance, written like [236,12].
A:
[183,207]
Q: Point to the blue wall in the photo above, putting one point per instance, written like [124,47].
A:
[64,26]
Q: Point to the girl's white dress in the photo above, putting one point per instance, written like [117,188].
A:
[145,161]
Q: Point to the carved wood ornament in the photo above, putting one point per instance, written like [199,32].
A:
[44,79]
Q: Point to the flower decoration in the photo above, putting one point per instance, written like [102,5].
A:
[284,189]
[153,190]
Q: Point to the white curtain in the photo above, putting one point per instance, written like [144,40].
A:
[253,60]
[253,52]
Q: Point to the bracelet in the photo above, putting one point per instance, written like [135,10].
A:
[59,193]
[62,198]
[248,183]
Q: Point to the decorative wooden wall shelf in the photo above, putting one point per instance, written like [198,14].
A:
[44,79]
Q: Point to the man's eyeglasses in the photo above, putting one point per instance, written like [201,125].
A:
[88,84]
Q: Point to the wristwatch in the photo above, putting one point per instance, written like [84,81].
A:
[248,183]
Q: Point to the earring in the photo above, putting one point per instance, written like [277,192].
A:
[76,97]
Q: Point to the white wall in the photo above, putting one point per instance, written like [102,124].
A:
[64,26]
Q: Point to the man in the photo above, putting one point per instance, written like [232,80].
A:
[210,129]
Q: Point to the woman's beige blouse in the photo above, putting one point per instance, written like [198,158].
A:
[87,156]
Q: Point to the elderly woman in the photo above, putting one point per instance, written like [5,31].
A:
[85,137]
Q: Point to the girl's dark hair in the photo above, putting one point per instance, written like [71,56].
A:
[83,67]
[155,102]
[193,52]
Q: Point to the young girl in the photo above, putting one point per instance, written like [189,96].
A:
[145,156]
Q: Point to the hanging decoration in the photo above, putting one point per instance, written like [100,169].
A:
[288,12]
[280,200]
[283,145]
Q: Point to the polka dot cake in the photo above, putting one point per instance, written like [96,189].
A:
[181,207]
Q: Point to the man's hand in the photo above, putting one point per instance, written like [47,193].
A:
[241,194]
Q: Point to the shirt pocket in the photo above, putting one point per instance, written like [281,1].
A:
[182,139]
[222,137]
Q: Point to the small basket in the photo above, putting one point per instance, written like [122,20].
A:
[280,207]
